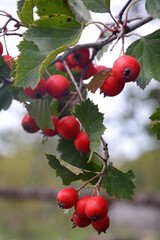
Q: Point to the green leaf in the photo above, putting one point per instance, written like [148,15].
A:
[20,4]
[153,8]
[40,111]
[107,3]
[50,7]
[54,108]
[92,121]
[26,13]
[147,52]
[81,13]
[5,100]
[4,68]
[156,125]
[98,79]
[99,6]
[118,184]
[28,65]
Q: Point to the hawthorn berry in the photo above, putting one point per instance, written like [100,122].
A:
[1,48]
[68,127]
[67,197]
[29,124]
[101,225]
[60,67]
[57,86]
[38,91]
[99,68]
[90,71]
[112,86]
[80,206]
[79,57]
[126,68]
[96,208]
[7,58]
[80,221]
[82,142]
[49,131]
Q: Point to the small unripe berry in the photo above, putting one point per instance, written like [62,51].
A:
[80,221]
[82,142]
[57,86]
[38,91]
[126,68]
[67,197]
[68,127]
[29,124]
[49,131]
[101,225]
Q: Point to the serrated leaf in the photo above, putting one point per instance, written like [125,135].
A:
[96,6]
[92,121]
[147,51]
[81,13]
[155,116]
[20,4]
[26,13]
[118,184]
[98,79]
[50,33]
[50,7]
[156,129]
[107,3]
[153,8]
[40,111]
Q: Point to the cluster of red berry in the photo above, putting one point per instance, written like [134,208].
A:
[87,210]
[7,58]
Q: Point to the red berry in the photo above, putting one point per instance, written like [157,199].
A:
[29,124]
[101,225]
[67,197]
[57,86]
[1,48]
[68,127]
[99,68]
[82,142]
[112,86]
[49,131]
[79,57]
[60,67]
[7,58]
[126,68]
[80,221]
[96,208]
[38,91]
[90,71]
[80,206]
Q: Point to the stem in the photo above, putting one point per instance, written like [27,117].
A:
[122,11]
[126,18]
[97,22]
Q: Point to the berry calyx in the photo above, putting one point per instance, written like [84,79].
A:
[82,142]
[1,48]
[68,127]
[67,197]
[80,221]
[126,68]
[38,91]
[112,86]
[79,57]
[57,86]
[101,225]
[49,131]
[7,58]
[96,208]
[80,206]
[29,124]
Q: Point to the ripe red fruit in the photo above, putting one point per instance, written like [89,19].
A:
[1,48]
[7,58]
[80,221]
[67,197]
[29,124]
[57,86]
[99,68]
[126,68]
[60,67]
[80,206]
[79,57]
[112,86]
[101,225]
[89,73]
[49,131]
[82,142]
[96,208]
[68,127]
[38,91]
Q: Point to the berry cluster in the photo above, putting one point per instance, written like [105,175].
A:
[87,210]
